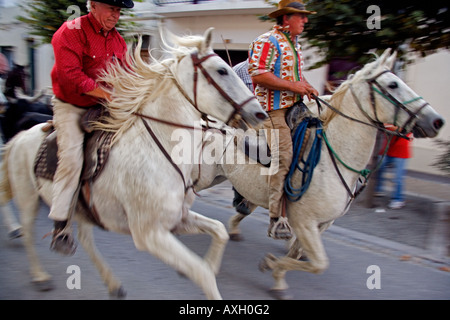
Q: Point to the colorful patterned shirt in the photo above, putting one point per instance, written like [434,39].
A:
[275,52]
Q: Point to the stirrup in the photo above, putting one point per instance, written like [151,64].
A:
[280,229]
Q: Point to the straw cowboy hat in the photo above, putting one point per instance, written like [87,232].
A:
[290,6]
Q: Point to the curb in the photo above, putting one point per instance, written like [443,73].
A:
[402,251]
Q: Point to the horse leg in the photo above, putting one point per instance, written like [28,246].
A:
[235,220]
[309,239]
[28,203]
[14,228]
[165,246]
[86,238]
[197,223]
[295,247]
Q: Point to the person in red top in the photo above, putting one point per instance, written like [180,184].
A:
[83,48]
[399,151]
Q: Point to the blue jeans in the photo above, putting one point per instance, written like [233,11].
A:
[399,166]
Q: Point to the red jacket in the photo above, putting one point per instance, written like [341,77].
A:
[398,147]
[82,52]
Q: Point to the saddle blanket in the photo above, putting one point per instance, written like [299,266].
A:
[97,148]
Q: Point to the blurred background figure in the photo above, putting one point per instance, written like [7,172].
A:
[398,153]
[15,80]
[4,68]
[4,65]
[241,70]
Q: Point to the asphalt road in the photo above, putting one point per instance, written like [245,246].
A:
[145,277]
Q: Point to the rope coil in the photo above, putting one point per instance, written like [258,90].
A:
[305,166]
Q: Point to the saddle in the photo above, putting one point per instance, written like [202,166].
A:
[255,143]
[97,145]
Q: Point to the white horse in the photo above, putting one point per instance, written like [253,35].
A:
[140,192]
[351,130]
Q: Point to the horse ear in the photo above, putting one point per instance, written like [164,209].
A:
[391,60]
[206,44]
[384,56]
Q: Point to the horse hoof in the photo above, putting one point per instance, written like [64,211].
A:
[280,294]
[44,285]
[118,293]
[15,234]
[236,237]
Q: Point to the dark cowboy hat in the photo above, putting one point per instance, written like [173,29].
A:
[290,6]
[118,3]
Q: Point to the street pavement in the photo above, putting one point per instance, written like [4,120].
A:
[420,230]
[401,243]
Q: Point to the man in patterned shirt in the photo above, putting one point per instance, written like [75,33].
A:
[83,48]
[275,65]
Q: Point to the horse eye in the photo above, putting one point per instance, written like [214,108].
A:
[222,71]
[393,85]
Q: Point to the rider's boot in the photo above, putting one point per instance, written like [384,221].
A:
[63,241]
[240,203]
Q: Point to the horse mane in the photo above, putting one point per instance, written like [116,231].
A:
[341,91]
[135,82]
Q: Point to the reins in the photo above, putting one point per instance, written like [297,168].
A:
[300,137]
[164,151]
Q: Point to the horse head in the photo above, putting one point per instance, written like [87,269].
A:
[394,102]
[212,86]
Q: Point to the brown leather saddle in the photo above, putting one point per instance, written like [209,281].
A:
[97,145]
[255,143]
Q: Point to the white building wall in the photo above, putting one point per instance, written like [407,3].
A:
[430,78]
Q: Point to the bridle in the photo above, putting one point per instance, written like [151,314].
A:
[374,87]
[197,63]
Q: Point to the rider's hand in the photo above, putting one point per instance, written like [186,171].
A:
[304,89]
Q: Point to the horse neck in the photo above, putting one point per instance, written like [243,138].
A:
[353,142]
[171,105]
[177,120]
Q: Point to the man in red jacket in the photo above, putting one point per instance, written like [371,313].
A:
[82,49]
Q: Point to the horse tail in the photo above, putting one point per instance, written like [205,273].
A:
[6,193]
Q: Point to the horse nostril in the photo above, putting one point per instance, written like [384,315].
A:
[438,123]
[261,116]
